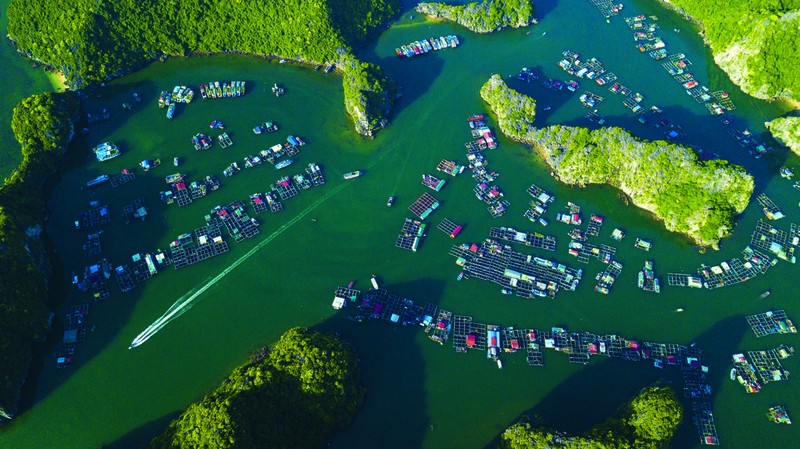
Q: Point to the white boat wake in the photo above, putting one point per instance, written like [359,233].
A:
[185,302]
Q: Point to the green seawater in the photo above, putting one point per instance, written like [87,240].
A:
[419,393]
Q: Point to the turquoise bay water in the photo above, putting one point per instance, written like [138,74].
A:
[419,394]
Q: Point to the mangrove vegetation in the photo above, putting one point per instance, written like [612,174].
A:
[91,42]
[43,126]
[697,198]
[647,422]
[484,17]
[295,394]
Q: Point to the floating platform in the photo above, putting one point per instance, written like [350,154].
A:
[779,415]
[433,183]
[527,276]
[92,246]
[181,195]
[424,205]
[259,203]
[771,322]
[607,277]
[770,209]
[449,228]
[285,188]
[768,238]
[123,178]
[540,195]
[449,167]
[209,244]
[224,140]
[75,324]
[239,225]
[411,234]
[703,420]
[136,210]
[124,278]
[197,190]
[594,225]
[532,239]
[93,218]
[439,329]
[584,251]
[345,295]
[315,174]
[273,201]
[468,334]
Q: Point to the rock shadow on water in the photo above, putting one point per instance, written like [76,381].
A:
[414,76]
[598,391]
[61,238]
[141,436]
[388,353]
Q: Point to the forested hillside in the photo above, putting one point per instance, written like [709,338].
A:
[91,41]
[647,422]
[304,389]
[42,124]
[483,17]
[757,42]
[697,198]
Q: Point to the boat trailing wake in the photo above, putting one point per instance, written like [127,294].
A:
[185,302]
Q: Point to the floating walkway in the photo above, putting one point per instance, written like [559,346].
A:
[771,322]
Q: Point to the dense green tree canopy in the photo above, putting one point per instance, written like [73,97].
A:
[42,125]
[756,41]
[304,389]
[647,422]
[787,131]
[91,41]
[483,17]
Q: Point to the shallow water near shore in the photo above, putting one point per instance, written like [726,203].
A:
[420,394]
